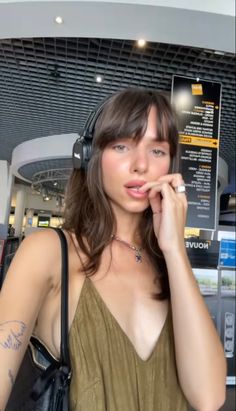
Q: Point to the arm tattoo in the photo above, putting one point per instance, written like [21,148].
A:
[10,375]
[11,333]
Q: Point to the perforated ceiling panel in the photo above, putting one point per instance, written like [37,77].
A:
[48,86]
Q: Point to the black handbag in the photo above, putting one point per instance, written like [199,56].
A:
[42,383]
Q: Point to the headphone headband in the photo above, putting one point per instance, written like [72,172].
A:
[89,127]
[82,148]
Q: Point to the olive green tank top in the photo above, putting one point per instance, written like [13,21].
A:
[108,374]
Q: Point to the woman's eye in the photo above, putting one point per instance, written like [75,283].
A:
[158,153]
[120,148]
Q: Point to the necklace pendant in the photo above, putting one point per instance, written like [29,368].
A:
[138,258]
[137,251]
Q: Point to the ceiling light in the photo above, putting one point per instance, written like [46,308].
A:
[59,20]
[141,43]
[219,53]
[98,79]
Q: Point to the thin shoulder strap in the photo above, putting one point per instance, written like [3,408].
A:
[64,349]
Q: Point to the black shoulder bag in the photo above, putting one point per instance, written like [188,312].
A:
[42,383]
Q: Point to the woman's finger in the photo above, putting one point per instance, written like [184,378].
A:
[174,180]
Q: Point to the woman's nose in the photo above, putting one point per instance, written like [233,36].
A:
[139,161]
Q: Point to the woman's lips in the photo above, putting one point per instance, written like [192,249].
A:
[134,193]
[132,188]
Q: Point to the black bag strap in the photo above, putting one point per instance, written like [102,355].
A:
[64,348]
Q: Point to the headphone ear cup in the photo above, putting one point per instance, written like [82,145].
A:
[77,154]
[87,151]
[81,154]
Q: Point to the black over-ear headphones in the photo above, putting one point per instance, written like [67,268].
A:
[82,148]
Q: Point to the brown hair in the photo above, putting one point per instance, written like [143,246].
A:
[88,213]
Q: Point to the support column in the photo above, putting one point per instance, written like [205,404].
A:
[19,211]
[6,184]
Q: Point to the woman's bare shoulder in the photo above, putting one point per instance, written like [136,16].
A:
[37,253]
[40,240]
[41,235]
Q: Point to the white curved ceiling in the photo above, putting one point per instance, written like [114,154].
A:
[207,24]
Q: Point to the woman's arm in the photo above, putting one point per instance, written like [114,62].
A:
[199,353]
[28,281]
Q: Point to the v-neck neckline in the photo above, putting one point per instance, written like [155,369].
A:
[117,324]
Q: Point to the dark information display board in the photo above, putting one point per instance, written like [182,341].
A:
[197,104]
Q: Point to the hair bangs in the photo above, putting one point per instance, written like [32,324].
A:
[121,124]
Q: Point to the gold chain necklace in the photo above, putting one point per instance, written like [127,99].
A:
[137,250]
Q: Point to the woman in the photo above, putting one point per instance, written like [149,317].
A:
[141,338]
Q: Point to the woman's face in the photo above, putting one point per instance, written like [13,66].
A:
[127,165]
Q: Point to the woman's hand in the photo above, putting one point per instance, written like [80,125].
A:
[169,211]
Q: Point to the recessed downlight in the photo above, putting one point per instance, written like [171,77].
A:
[141,43]
[59,20]
[99,79]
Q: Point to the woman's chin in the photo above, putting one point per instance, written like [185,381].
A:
[137,208]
